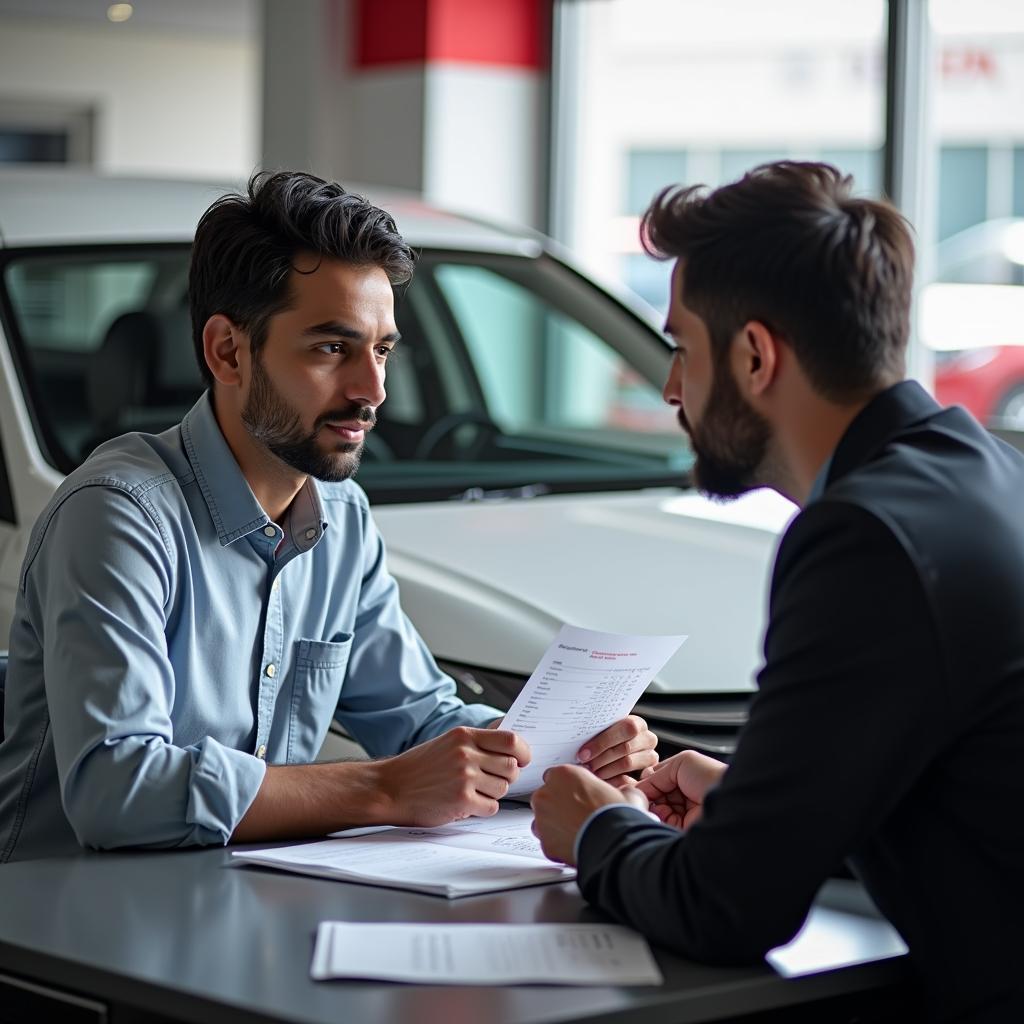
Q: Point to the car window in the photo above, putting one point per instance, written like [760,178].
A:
[514,374]
[67,305]
[104,344]
[540,367]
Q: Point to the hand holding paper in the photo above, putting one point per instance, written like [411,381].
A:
[627,745]
[585,682]
[460,773]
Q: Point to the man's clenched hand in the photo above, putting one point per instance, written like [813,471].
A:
[569,796]
[461,773]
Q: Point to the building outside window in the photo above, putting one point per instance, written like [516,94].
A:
[683,91]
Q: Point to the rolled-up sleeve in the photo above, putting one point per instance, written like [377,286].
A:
[99,582]
[394,694]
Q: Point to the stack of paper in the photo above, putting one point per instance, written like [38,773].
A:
[461,859]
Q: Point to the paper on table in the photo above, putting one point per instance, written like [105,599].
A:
[586,681]
[460,859]
[509,829]
[484,954]
[833,938]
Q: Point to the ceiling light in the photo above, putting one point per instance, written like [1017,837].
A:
[119,12]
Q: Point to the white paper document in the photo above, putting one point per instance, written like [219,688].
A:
[586,681]
[460,859]
[484,954]
[834,938]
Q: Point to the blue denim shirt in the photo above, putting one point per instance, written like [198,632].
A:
[169,641]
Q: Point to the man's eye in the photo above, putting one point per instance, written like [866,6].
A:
[384,351]
[332,348]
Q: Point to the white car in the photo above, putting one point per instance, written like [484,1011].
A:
[524,471]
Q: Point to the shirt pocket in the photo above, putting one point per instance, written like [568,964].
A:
[317,678]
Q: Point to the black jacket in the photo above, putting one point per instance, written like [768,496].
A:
[888,727]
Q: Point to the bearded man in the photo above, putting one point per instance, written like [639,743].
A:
[888,726]
[196,606]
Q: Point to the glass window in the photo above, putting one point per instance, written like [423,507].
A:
[972,310]
[526,376]
[648,172]
[736,162]
[1018,181]
[864,164]
[45,131]
[538,366]
[513,372]
[20,146]
[106,344]
[701,93]
[963,188]
[67,304]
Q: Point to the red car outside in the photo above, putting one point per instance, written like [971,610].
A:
[988,382]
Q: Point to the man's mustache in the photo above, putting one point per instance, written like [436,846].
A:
[684,422]
[354,411]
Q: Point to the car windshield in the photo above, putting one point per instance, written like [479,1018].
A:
[515,376]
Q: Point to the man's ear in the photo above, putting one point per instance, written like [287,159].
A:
[755,358]
[221,343]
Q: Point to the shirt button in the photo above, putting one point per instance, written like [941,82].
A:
[277,584]
[271,670]
[270,531]
[262,752]
[310,534]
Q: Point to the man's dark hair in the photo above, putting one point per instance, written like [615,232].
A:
[790,246]
[245,247]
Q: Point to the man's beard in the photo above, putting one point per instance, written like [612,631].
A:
[730,442]
[272,422]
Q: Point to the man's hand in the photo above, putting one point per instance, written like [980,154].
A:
[677,787]
[626,746]
[461,773]
[569,796]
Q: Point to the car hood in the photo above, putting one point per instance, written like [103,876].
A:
[644,562]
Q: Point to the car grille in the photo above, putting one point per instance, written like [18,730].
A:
[708,723]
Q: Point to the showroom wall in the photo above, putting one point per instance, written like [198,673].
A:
[444,97]
[152,101]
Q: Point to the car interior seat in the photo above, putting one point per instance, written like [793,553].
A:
[143,377]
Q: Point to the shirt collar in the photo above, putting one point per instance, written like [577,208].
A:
[818,487]
[233,507]
[888,413]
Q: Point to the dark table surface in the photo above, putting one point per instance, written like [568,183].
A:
[190,935]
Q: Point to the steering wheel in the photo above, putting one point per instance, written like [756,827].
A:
[440,429]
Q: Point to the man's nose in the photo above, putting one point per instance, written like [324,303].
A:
[672,392]
[366,384]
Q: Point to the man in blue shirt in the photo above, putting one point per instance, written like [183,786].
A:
[195,606]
